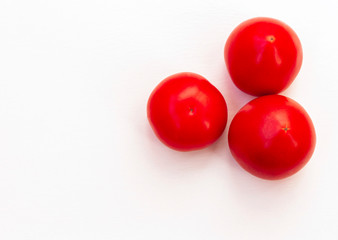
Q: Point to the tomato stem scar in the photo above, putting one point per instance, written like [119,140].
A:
[270,38]
[286,129]
[191,111]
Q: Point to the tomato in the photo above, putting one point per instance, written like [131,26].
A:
[263,56]
[187,112]
[272,137]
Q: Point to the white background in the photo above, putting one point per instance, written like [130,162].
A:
[78,159]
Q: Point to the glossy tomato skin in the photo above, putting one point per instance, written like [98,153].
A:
[272,137]
[263,56]
[187,112]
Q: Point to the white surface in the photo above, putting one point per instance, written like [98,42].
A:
[78,159]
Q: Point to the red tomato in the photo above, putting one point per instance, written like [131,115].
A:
[187,112]
[272,137]
[263,56]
